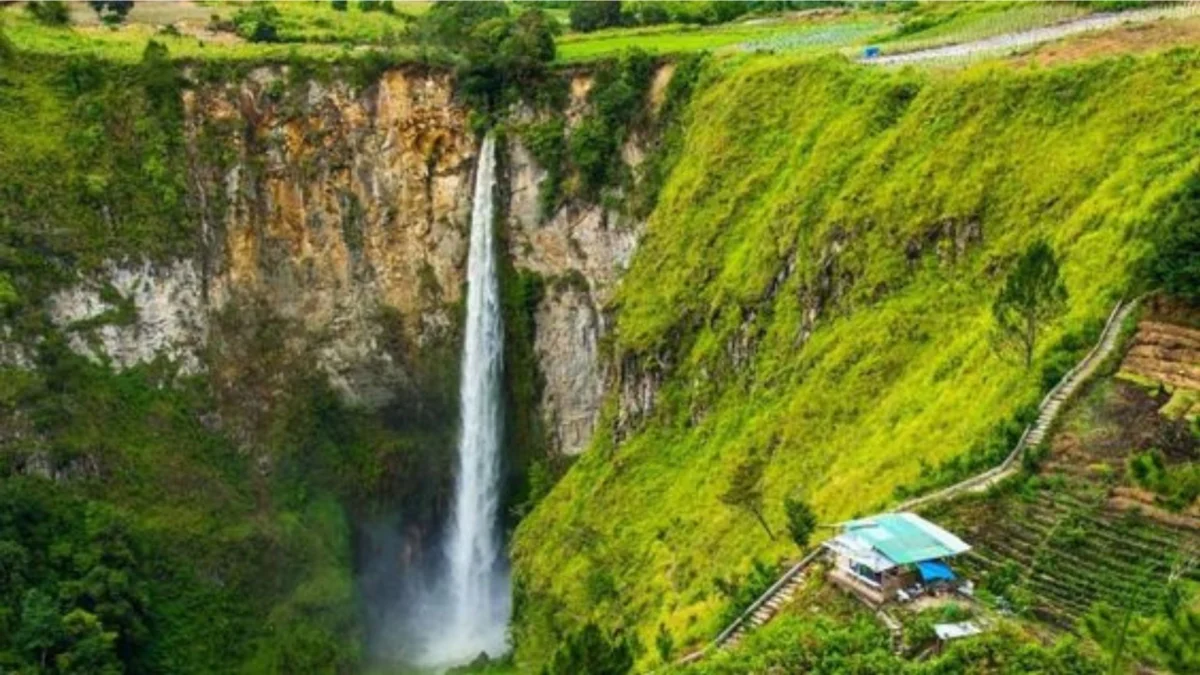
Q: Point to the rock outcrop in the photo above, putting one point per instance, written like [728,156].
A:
[580,251]
[340,209]
[344,215]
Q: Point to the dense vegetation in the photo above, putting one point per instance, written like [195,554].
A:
[798,644]
[150,521]
[812,295]
[814,289]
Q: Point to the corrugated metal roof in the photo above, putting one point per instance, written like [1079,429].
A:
[905,537]
[856,549]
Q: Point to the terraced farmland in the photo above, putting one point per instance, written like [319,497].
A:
[1070,551]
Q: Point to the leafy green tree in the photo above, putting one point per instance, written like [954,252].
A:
[1033,295]
[1175,266]
[50,12]
[589,15]
[90,649]
[41,629]
[590,651]
[450,24]
[339,5]
[664,643]
[801,520]
[111,12]
[745,490]
[618,98]
[651,13]
[505,57]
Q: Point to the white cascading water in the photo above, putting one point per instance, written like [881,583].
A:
[477,584]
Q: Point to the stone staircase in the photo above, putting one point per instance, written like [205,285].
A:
[767,611]
[767,606]
[1048,411]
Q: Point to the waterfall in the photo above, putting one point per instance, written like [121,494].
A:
[477,584]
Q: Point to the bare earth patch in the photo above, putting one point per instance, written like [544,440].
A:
[1133,39]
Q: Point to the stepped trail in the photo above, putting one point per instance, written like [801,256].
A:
[768,604]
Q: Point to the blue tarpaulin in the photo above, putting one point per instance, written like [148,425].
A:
[935,570]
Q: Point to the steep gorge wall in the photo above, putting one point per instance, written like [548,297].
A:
[343,215]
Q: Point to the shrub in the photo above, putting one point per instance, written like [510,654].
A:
[548,144]
[739,592]
[385,6]
[664,643]
[618,101]
[111,12]
[588,650]
[801,520]
[589,15]
[7,50]
[258,22]
[50,12]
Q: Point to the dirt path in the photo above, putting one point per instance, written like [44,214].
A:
[1036,36]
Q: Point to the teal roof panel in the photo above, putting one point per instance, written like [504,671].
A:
[906,538]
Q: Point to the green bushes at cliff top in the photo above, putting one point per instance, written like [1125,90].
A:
[814,286]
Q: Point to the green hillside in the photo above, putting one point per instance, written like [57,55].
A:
[814,290]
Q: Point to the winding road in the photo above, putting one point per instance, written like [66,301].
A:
[1035,36]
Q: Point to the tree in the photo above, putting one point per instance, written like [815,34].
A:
[745,490]
[589,651]
[505,57]
[651,14]
[111,12]
[1175,266]
[801,520]
[41,628]
[339,5]
[50,12]
[91,647]
[590,15]
[1032,296]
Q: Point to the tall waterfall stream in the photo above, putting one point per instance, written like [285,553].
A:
[477,599]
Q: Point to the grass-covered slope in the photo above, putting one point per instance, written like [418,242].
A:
[815,287]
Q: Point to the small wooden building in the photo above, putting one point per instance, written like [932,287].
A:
[877,557]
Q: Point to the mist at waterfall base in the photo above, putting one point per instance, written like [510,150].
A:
[443,604]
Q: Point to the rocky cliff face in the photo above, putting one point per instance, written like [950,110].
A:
[581,252]
[344,214]
[342,217]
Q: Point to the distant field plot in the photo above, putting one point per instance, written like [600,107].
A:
[946,25]
[834,36]
[781,33]
[305,28]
